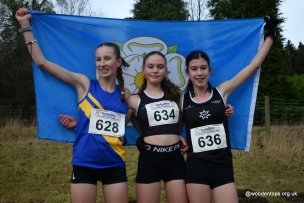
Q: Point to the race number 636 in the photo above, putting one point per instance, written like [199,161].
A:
[210,137]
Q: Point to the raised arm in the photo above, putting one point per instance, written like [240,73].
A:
[79,81]
[229,86]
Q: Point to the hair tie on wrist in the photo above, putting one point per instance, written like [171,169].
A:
[25,29]
[30,42]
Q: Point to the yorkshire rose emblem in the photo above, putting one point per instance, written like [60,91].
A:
[133,52]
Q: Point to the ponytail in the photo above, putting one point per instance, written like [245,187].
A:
[121,84]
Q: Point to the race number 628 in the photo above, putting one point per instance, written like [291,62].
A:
[109,126]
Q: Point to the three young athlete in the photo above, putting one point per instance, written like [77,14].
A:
[99,155]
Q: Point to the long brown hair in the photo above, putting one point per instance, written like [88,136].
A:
[119,77]
[171,91]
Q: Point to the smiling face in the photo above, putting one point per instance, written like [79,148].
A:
[198,72]
[107,62]
[155,69]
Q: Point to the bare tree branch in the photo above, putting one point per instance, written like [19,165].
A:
[198,10]
[75,7]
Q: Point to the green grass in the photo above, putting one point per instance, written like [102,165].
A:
[33,170]
[274,164]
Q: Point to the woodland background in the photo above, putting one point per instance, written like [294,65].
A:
[282,74]
[33,170]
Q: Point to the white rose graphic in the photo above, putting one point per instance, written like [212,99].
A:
[133,52]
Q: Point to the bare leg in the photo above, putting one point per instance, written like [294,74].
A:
[225,193]
[83,193]
[148,193]
[198,193]
[117,192]
[176,191]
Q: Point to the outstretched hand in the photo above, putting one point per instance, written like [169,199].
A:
[68,121]
[271,26]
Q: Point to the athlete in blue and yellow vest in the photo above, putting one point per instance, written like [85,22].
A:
[98,154]
[94,150]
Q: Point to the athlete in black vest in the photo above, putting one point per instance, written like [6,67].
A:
[209,162]
[158,115]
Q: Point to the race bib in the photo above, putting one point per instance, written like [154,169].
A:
[209,137]
[107,123]
[162,112]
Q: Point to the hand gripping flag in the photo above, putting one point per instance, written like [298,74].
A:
[70,41]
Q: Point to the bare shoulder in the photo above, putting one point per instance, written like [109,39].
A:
[224,90]
[131,98]
[133,101]
[83,79]
[81,83]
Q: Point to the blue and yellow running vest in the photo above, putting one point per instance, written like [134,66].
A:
[93,150]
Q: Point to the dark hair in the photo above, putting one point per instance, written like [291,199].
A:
[196,55]
[171,91]
[119,76]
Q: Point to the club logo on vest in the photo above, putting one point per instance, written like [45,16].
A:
[204,114]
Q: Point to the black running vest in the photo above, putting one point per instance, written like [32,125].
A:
[142,118]
[202,114]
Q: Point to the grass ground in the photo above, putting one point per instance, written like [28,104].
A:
[33,170]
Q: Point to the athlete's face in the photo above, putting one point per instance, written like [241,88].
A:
[198,72]
[107,62]
[155,69]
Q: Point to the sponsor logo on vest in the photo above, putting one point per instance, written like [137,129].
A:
[216,101]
